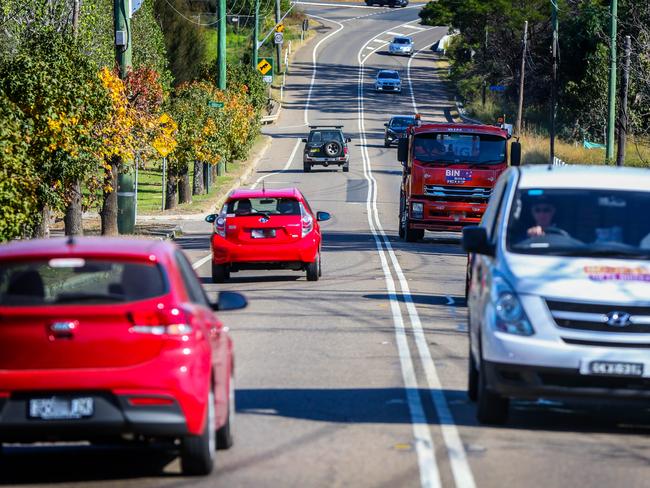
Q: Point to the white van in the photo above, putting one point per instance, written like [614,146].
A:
[559,287]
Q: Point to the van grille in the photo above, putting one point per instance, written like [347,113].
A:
[598,317]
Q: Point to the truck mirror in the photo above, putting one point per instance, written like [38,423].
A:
[515,154]
[403,149]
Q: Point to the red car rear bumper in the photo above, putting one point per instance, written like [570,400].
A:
[225,252]
[165,397]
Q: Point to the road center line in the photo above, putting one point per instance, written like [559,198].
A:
[458,459]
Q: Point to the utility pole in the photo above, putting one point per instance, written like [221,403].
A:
[623,118]
[611,111]
[122,36]
[256,33]
[221,44]
[554,21]
[278,47]
[521,79]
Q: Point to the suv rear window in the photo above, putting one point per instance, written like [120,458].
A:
[78,281]
[268,206]
[325,135]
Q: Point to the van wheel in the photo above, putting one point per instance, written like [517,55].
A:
[198,451]
[491,408]
[313,269]
[224,433]
[220,273]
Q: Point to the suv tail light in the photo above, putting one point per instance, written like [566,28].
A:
[171,323]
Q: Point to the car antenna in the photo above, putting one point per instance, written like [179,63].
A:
[263,187]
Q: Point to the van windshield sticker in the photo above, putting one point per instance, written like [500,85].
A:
[535,193]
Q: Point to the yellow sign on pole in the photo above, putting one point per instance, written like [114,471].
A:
[264,66]
[279,28]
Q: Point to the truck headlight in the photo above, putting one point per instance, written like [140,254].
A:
[417,210]
[510,316]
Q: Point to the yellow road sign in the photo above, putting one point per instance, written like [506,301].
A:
[264,66]
[279,28]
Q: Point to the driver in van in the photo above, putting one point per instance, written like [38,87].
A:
[543,213]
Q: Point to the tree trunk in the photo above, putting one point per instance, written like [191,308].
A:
[213,172]
[109,205]
[171,192]
[42,230]
[185,188]
[197,184]
[73,212]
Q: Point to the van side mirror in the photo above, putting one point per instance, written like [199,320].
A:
[515,154]
[403,149]
[475,240]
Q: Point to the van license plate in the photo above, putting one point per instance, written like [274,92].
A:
[262,233]
[58,408]
[613,368]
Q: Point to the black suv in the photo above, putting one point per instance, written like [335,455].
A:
[326,145]
[390,3]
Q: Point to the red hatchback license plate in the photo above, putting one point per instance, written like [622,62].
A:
[262,233]
[58,408]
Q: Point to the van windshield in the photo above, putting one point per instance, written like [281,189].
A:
[459,148]
[78,281]
[580,222]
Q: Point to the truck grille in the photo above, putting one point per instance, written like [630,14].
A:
[601,318]
[458,193]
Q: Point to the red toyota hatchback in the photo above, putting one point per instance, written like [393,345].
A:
[266,229]
[104,339]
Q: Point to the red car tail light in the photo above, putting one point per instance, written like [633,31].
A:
[170,323]
[220,225]
[307,224]
[149,401]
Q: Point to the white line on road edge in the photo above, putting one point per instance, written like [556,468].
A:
[408,77]
[457,457]
[391,33]
[429,474]
[415,27]
[202,261]
[286,166]
[314,64]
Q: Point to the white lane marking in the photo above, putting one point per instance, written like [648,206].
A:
[415,27]
[286,166]
[429,474]
[457,457]
[314,64]
[202,261]
[338,5]
[391,33]
[369,47]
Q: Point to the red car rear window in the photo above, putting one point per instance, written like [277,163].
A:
[269,206]
[70,281]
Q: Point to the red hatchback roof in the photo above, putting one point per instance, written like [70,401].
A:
[261,193]
[475,128]
[96,246]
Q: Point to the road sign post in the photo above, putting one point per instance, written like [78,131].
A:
[278,38]
[265,67]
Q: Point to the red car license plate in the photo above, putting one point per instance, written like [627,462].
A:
[57,408]
[262,233]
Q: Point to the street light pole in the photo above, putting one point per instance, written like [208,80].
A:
[221,44]
[555,23]
[611,110]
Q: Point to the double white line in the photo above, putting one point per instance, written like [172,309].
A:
[429,473]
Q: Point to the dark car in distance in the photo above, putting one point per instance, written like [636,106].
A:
[326,145]
[396,128]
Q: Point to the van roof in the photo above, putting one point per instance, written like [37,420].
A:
[584,176]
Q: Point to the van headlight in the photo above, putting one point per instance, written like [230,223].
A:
[509,313]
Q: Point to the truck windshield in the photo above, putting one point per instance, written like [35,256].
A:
[580,222]
[458,148]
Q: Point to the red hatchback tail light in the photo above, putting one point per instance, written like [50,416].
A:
[220,225]
[168,323]
[307,222]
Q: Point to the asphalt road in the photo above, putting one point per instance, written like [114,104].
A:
[359,379]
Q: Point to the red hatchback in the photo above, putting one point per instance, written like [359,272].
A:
[266,229]
[104,339]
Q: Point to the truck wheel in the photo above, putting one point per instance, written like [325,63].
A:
[491,407]
[400,224]
[412,235]
[220,273]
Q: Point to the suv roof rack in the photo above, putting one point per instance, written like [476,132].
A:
[318,126]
